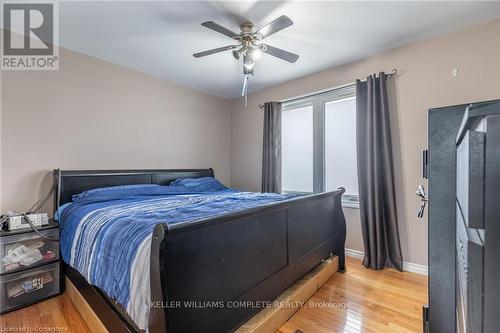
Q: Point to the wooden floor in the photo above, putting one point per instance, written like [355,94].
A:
[57,314]
[359,300]
[362,300]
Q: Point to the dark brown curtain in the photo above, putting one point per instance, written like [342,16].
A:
[376,175]
[271,150]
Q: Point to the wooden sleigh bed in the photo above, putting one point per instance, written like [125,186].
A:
[249,257]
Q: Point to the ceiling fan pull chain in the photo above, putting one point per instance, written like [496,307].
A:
[244,91]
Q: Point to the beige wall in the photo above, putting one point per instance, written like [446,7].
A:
[91,114]
[427,82]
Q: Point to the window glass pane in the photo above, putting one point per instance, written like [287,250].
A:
[340,145]
[297,149]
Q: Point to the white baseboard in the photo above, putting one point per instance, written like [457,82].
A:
[415,268]
[354,254]
[407,266]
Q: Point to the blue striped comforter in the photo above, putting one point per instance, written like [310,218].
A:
[107,238]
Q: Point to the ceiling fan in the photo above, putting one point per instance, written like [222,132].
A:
[250,47]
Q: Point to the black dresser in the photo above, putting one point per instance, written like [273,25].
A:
[464,218]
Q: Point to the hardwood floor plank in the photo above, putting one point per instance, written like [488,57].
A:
[45,315]
[73,319]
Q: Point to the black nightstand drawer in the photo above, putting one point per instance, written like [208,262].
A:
[30,286]
[27,250]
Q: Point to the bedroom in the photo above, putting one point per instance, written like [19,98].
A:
[107,94]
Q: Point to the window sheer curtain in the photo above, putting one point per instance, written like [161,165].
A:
[271,150]
[377,197]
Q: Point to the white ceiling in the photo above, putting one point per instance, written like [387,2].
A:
[159,38]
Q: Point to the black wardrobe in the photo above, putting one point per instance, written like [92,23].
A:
[463,168]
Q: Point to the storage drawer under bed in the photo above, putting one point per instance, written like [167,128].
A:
[23,251]
[28,287]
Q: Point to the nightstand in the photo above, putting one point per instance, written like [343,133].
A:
[30,268]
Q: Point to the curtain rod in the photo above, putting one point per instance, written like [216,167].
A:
[394,73]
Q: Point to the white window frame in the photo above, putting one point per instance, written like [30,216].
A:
[318,102]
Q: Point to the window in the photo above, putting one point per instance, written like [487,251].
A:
[297,154]
[319,144]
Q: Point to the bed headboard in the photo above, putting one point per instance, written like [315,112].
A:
[70,182]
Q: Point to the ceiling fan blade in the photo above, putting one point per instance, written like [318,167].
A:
[280,23]
[212,51]
[220,29]
[279,53]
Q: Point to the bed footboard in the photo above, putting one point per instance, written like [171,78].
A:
[213,274]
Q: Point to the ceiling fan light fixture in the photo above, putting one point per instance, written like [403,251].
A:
[249,63]
[256,53]
[249,70]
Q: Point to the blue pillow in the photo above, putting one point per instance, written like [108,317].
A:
[117,192]
[201,184]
